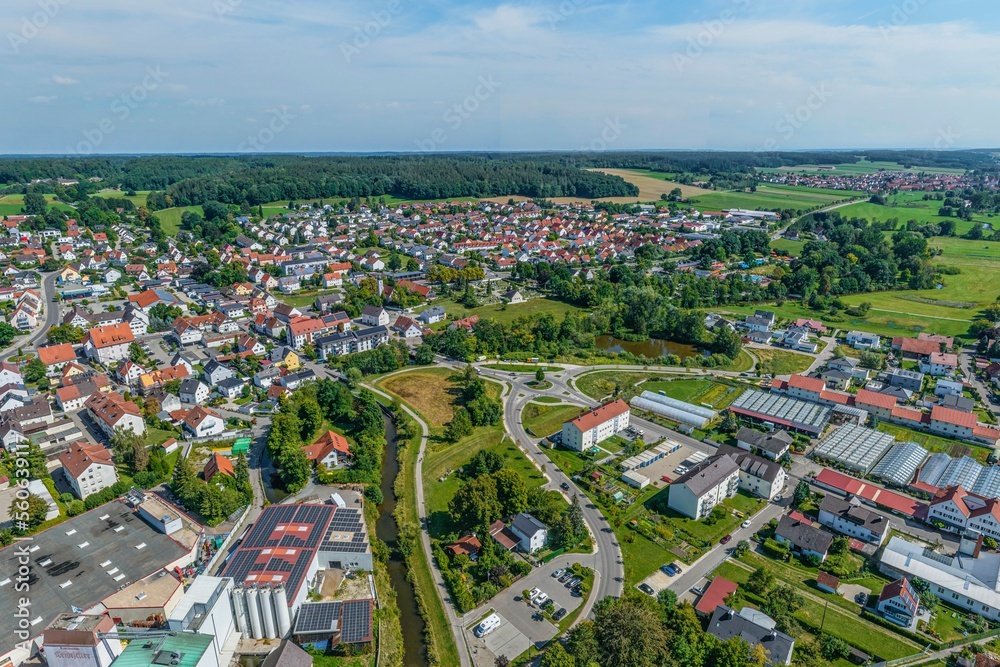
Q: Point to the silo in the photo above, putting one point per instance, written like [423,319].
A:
[253,609]
[267,612]
[240,610]
[281,609]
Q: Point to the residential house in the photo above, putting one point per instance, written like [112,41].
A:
[758,476]
[899,602]
[194,391]
[375,316]
[215,372]
[754,628]
[861,340]
[803,538]
[432,315]
[108,344]
[773,445]
[939,364]
[88,468]
[331,449]
[593,427]
[218,464]
[231,388]
[848,517]
[55,357]
[532,534]
[111,411]
[407,328]
[201,422]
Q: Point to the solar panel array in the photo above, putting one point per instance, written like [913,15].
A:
[855,447]
[356,625]
[317,617]
[900,464]
[802,415]
[346,520]
[351,618]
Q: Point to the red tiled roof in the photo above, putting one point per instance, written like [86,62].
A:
[112,334]
[870,492]
[218,464]
[56,354]
[715,594]
[807,383]
[916,346]
[81,455]
[599,415]
[866,397]
[952,416]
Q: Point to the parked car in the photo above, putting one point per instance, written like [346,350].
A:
[540,599]
[778,498]
[558,573]
[725,539]
[667,570]
[534,592]
[563,578]
[647,589]
[745,524]
[559,614]
[573,582]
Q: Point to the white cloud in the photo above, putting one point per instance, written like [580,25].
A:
[209,102]
[42,99]
[63,80]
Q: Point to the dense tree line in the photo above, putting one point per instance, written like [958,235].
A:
[214,501]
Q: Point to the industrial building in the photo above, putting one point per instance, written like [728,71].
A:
[325,625]
[82,562]
[594,427]
[900,463]
[205,609]
[855,447]
[673,409]
[777,410]
[279,557]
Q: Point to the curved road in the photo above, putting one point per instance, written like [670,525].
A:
[52,311]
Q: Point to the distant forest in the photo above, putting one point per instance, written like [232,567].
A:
[258,179]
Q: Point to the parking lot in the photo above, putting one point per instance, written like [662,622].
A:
[522,625]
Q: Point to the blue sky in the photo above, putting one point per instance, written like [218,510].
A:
[109,76]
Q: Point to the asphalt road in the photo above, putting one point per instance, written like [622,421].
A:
[52,311]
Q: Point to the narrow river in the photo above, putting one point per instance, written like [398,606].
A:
[414,651]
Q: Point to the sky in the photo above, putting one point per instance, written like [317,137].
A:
[225,76]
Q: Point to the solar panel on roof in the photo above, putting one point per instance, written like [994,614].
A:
[356,624]
[318,617]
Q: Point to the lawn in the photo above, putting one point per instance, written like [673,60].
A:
[642,557]
[781,362]
[793,248]
[836,619]
[544,420]
[718,395]
[507,313]
[602,383]
[303,299]
[170,218]
[934,443]
[138,199]
[699,529]
[569,461]
[155,436]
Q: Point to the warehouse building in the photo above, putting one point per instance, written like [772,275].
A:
[855,447]
[594,427]
[778,410]
[900,463]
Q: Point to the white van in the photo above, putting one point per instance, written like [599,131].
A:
[488,625]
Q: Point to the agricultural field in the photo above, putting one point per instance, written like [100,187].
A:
[781,362]
[653,184]
[861,167]
[507,313]
[697,391]
[544,420]
[906,206]
[774,197]
[12,204]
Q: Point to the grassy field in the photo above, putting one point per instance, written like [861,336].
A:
[933,443]
[906,206]
[603,383]
[12,204]
[507,313]
[170,218]
[773,198]
[544,420]
[155,436]
[697,391]
[302,299]
[138,199]
[652,184]
[862,167]
[793,248]
[428,390]
[781,362]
